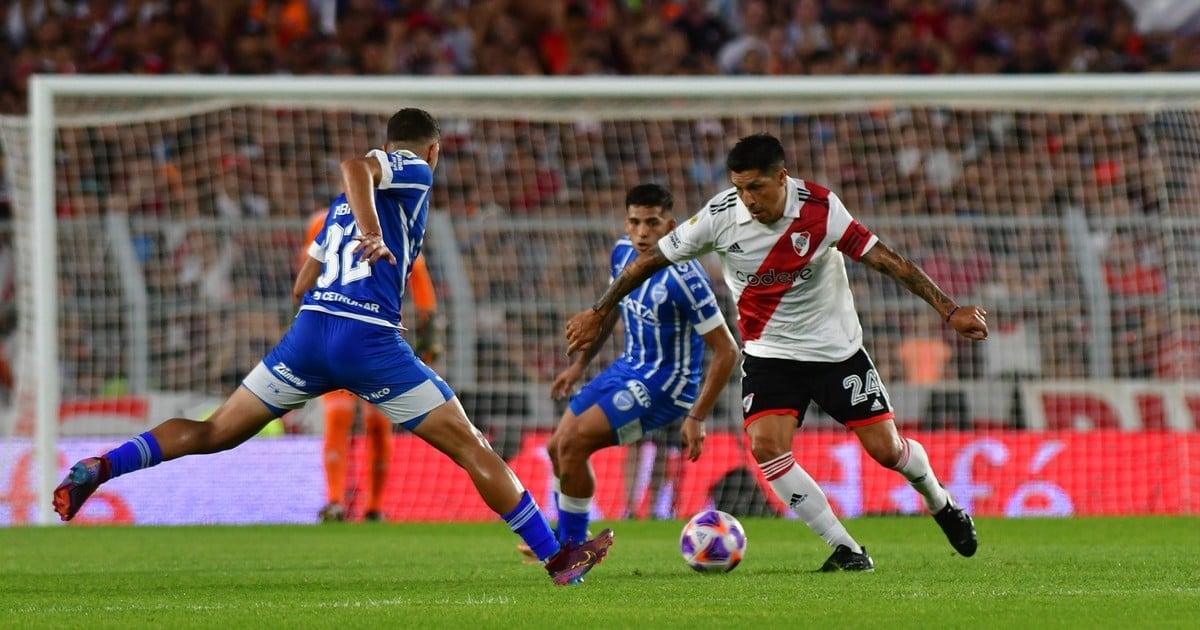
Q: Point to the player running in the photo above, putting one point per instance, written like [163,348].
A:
[782,244]
[347,336]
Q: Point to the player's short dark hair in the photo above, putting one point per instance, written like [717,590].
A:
[651,196]
[758,152]
[411,126]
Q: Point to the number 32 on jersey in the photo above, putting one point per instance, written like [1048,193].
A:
[340,259]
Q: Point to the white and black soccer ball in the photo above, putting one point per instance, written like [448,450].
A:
[713,541]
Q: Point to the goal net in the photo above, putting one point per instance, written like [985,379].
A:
[156,226]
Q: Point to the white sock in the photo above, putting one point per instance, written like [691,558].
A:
[797,489]
[914,465]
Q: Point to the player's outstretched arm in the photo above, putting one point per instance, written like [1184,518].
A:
[360,176]
[565,381]
[583,330]
[724,359]
[970,321]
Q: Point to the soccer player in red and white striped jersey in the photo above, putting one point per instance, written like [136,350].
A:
[782,243]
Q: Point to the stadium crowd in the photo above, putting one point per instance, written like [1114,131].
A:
[577,37]
[998,167]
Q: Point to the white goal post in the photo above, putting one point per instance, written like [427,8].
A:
[691,100]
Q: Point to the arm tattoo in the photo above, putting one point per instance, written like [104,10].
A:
[606,328]
[631,277]
[886,261]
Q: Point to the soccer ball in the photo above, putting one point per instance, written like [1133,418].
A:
[713,541]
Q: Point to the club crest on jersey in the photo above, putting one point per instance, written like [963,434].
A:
[747,402]
[800,242]
[658,293]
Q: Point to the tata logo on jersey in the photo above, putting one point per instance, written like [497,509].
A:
[771,276]
[641,311]
[800,242]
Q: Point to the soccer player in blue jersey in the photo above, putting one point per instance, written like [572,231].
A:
[668,320]
[347,336]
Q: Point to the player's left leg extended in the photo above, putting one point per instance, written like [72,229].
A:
[907,457]
[571,447]
[238,419]
[447,429]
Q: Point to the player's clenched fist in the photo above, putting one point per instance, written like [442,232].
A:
[970,321]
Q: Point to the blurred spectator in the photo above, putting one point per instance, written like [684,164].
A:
[559,37]
[739,55]
[924,352]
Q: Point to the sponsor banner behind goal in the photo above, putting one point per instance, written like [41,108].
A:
[997,473]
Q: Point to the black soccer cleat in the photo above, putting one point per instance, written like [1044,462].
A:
[845,560]
[332,513]
[959,528]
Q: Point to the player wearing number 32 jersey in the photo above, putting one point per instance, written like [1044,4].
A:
[347,336]
[782,243]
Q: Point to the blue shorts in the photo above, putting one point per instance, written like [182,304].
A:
[321,353]
[634,406]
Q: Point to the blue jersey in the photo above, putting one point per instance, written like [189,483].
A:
[359,347]
[664,319]
[351,287]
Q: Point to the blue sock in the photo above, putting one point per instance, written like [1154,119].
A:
[136,454]
[573,517]
[531,525]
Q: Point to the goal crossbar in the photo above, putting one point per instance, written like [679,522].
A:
[557,94]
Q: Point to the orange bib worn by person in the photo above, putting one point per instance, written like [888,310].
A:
[341,407]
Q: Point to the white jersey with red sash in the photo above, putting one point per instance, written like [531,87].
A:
[788,278]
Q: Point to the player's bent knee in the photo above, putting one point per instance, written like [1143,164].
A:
[886,455]
[552,448]
[882,442]
[766,446]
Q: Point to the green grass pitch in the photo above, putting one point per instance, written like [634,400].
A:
[1029,573]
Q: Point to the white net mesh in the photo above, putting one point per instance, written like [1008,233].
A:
[1073,222]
